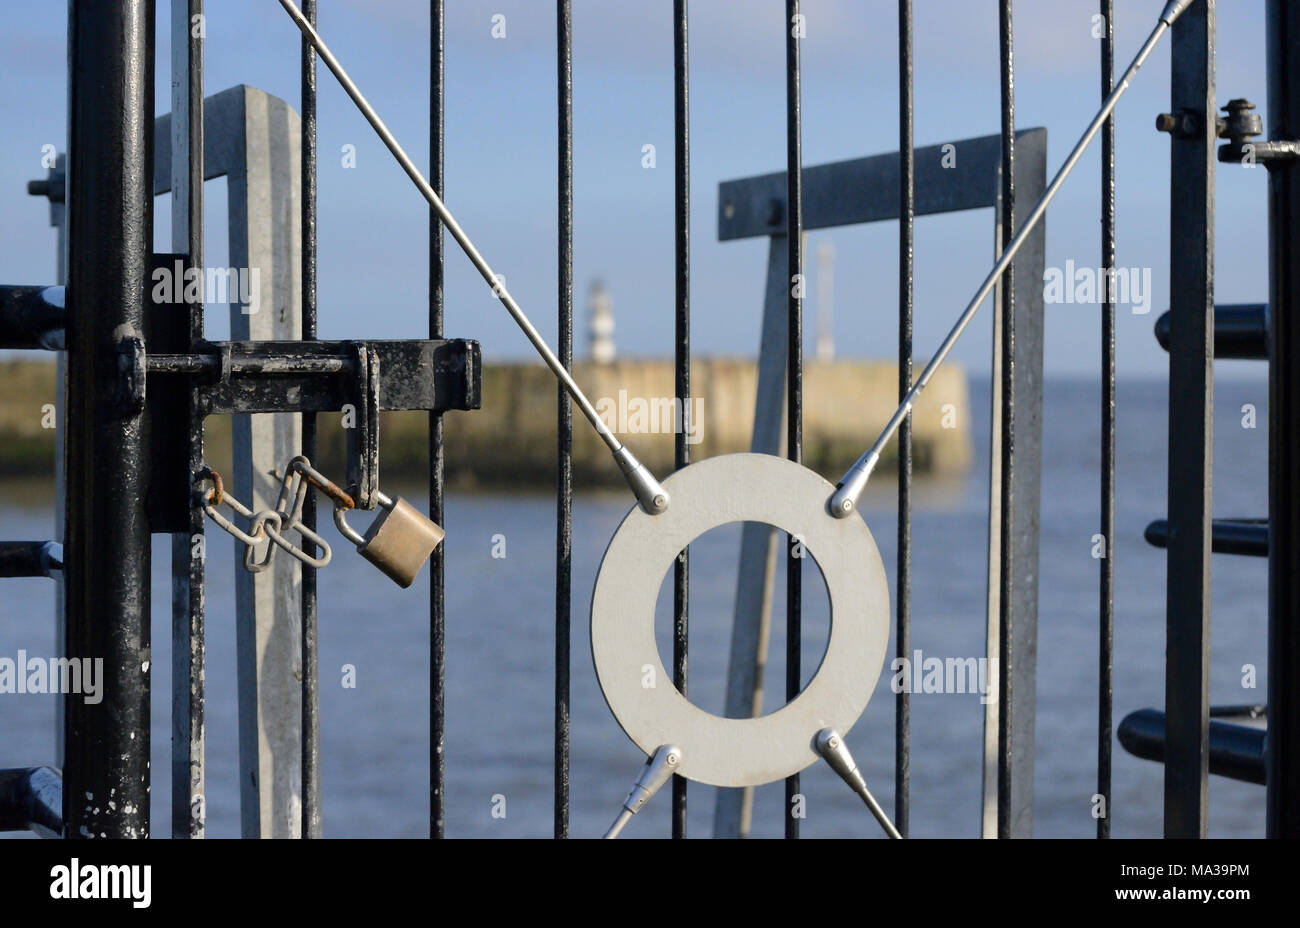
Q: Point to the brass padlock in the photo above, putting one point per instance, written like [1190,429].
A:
[398,542]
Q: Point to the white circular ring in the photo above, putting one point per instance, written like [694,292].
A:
[639,691]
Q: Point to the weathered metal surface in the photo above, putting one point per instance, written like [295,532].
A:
[713,492]
[681,352]
[110,238]
[311,782]
[315,376]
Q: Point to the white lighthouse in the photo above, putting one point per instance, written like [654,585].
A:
[600,324]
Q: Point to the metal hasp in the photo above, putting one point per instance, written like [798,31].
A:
[235,378]
[1282,758]
[860,191]
[110,239]
[31,799]
[1191,417]
[1236,735]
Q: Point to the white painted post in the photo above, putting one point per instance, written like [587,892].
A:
[252,139]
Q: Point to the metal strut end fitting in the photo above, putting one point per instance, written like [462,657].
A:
[830,745]
[1174,9]
[649,491]
[844,499]
[658,770]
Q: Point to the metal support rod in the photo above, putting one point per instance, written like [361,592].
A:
[906,268]
[437,562]
[850,486]
[652,496]
[110,238]
[188,780]
[794,373]
[1191,428]
[1106,565]
[311,784]
[564,412]
[1282,756]
[1007,413]
[682,356]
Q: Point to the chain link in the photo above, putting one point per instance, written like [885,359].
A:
[267,526]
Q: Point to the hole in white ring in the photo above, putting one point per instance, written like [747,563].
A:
[714,567]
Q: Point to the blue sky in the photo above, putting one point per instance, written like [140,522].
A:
[501,160]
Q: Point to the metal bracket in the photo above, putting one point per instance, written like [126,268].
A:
[1240,127]
[303,376]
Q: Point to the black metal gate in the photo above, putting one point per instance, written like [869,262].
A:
[139,389]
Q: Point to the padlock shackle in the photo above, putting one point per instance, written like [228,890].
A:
[347,531]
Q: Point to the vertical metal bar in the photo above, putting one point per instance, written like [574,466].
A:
[1191,426]
[564,425]
[110,237]
[1106,631]
[794,372]
[993,611]
[437,603]
[59,218]
[682,341]
[1283,752]
[188,811]
[906,222]
[1006,610]
[311,785]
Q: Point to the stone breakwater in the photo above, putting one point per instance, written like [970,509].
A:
[511,440]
